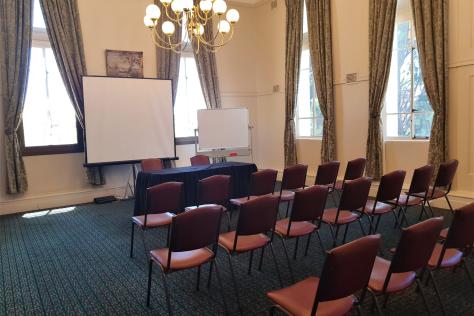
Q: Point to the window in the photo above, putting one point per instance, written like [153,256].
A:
[309,119]
[408,112]
[49,119]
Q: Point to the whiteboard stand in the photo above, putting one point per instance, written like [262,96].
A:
[226,152]
[129,186]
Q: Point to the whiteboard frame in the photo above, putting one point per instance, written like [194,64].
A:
[125,162]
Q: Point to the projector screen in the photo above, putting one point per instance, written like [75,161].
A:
[223,128]
[128,119]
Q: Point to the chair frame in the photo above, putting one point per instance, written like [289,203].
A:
[226,205]
[346,178]
[198,157]
[165,270]
[284,187]
[447,188]
[331,186]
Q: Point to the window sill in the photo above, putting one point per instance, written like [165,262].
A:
[191,140]
[310,138]
[52,150]
[406,140]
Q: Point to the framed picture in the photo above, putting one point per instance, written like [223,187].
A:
[124,64]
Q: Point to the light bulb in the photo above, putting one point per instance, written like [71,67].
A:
[153,12]
[199,29]
[219,7]
[223,27]
[177,6]
[187,5]
[166,2]
[148,22]
[233,16]
[205,5]
[168,28]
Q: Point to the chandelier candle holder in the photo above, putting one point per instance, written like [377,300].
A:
[194,19]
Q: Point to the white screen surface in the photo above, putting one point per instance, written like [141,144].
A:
[223,128]
[128,119]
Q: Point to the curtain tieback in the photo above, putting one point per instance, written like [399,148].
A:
[9,131]
[375,116]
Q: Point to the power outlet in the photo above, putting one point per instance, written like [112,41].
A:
[352,77]
[274,4]
[276,88]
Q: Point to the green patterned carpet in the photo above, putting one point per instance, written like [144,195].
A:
[74,261]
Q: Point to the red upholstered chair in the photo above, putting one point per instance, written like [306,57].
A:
[351,207]
[390,187]
[214,190]
[199,160]
[193,242]
[255,230]
[294,178]
[162,201]
[417,193]
[262,182]
[443,182]
[412,255]
[150,165]
[305,218]
[458,244]
[354,170]
[346,272]
[327,176]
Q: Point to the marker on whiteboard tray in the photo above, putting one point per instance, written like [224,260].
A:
[234,154]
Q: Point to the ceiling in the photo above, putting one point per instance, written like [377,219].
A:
[248,1]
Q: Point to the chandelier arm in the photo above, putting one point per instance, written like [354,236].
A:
[223,41]
[162,43]
[204,18]
[177,19]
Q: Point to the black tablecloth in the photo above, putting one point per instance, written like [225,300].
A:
[239,171]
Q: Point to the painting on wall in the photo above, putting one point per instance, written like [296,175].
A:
[124,64]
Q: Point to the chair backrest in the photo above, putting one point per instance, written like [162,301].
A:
[446,173]
[258,215]
[355,194]
[195,229]
[309,204]
[214,190]
[199,160]
[347,268]
[355,169]
[421,180]
[150,165]
[461,233]
[165,197]
[391,185]
[327,173]
[263,182]
[294,177]
[416,246]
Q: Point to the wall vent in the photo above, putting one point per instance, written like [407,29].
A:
[352,77]
[274,4]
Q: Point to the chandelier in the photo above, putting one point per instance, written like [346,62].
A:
[196,21]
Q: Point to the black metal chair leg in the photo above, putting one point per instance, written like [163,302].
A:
[148,292]
[287,208]
[423,296]
[438,294]
[333,198]
[468,272]
[168,232]
[198,279]
[361,227]
[221,288]
[250,263]
[211,266]
[288,260]
[307,244]
[345,234]
[295,252]
[321,241]
[449,203]
[234,283]
[229,221]
[261,259]
[271,312]
[377,225]
[376,303]
[144,244]
[276,264]
[422,211]
[131,240]
[167,293]
[335,236]
[430,208]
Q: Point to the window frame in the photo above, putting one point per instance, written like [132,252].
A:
[40,40]
[413,109]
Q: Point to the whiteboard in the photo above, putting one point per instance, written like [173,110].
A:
[223,128]
[128,119]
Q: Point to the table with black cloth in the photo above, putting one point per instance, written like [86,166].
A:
[190,176]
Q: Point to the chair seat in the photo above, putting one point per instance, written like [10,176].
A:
[380,208]
[182,260]
[330,187]
[240,201]
[451,258]
[287,195]
[398,281]
[298,299]
[433,195]
[297,228]
[408,200]
[339,185]
[444,233]
[244,242]
[189,208]
[345,217]
[153,220]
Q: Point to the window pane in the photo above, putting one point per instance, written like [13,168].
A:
[422,124]
[420,98]
[189,98]
[398,125]
[48,116]
[38,20]
[310,127]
